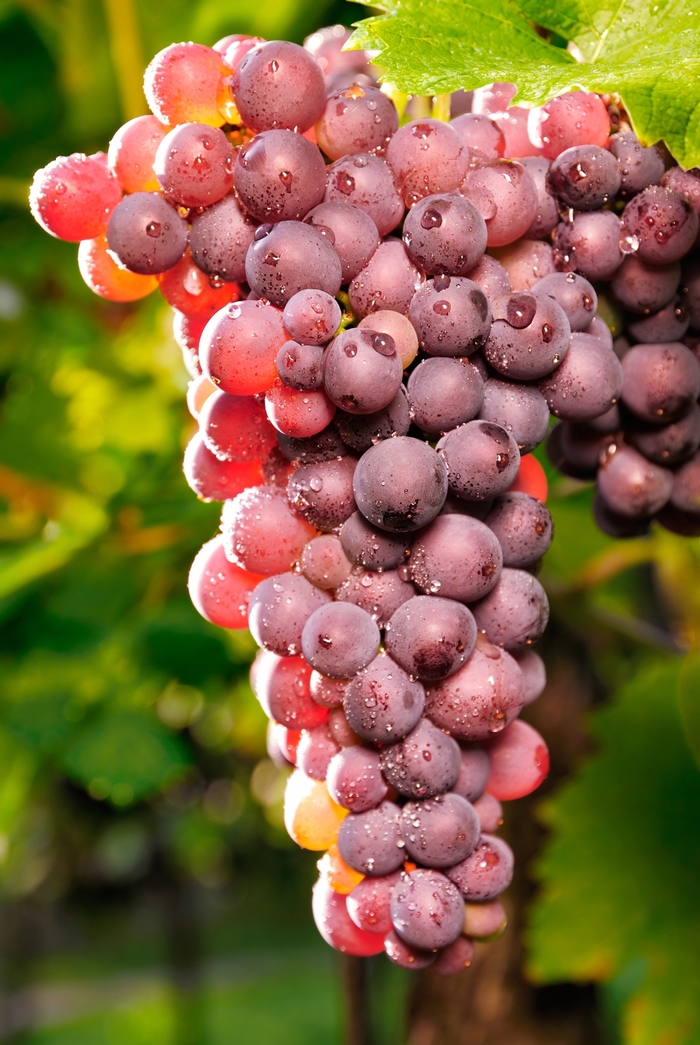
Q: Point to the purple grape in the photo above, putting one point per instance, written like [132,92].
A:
[328,693]
[322,447]
[575,295]
[388,281]
[351,232]
[279,84]
[445,234]
[641,287]
[589,244]
[690,292]
[482,460]
[482,136]
[473,773]
[300,366]
[685,524]
[585,177]
[356,119]
[444,393]
[686,486]
[430,637]
[371,842]
[534,673]
[452,317]
[323,562]
[311,317]
[547,216]
[481,699]
[639,167]
[670,323]
[600,329]
[661,382]
[455,958]
[145,234]
[587,383]
[380,594]
[194,165]
[367,546]
[426,763]
[614,524]
[400,484]
[427,157]
[667,444]
[520,410]
[490,275]
[486,872]
[686,183]
[456,557]
[362,371]
[406,957]
[289,257]
[515,613]
[219,239]
[360,431]
[523,527]
[633,487]
[279,176]
[427,910]
[366,182]
[278,610]
[354,779]
[322,492]
[507,197]
[526,262]
[575,449]
[315,750]
[529,336]
[382,703]
[661,223]
[339,639]
[441,831]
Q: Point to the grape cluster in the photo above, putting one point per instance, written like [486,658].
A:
[379,320]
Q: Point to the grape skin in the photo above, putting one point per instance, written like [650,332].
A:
[382,703]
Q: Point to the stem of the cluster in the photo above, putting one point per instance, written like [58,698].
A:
[125,48]
[354,975]
[441,107]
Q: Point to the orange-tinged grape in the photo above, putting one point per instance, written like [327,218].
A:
[341,878]
[132,151]
[106,278]
[399,327]
[198,391]
[311,816]
[181,84]
[189,290]
[531,478]
[485,921]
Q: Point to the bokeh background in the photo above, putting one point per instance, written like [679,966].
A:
[148,892]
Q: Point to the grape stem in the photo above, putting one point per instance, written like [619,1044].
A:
[354,977]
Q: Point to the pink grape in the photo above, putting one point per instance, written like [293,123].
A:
[336,927]
[576,118]
[73,196]
[281,684]
[220,590]
[262,532]
[279,84]
[519,762]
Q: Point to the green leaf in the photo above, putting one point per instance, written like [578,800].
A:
[689,700]
[620,873]
[646,51]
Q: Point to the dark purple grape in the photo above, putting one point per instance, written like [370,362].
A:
[690,292]
[339,639]
[444,393]
[686,486]
[482,460]
[633,487]
[490,275]
[685,524]
[585,177]
[350,230]
[670,323]
[279,84]
[574,293]
[441,831]
[523,527]
[644,288]
[455,958]
[589,244]
[427,157]
[322,492]
[354,779]
[456,557]
[388,281]
[366,182]
[323,562]
[362,371]
[520,410]
[356,119]
[360,431]
[219,239]
[575,449]
[667,444]
[289,257]
[587,383]
[639,167]
[481,699]
[300,366]
[315,750]
[278,610]
[309,449]
[515,613]
[371,842]
[486,872]
[427,910]
[473,773]
[661,382]
[616,525]
[661,225]
[145,234]
[482,136]
[445,234]
[534,673]
[426,763]
[367,546]
[451,316]
[430,637]
[547,216]
[400,484]
[279,176]
[311,317]
[382,703]
[529,335]
[380,594]
[406,957]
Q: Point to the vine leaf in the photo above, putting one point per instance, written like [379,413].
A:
[645,50]
[689,700]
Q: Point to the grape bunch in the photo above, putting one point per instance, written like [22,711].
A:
[380,315]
